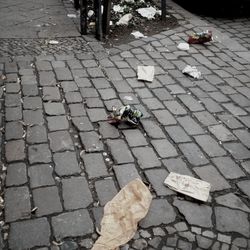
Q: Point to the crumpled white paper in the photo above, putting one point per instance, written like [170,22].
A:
[90,13]
[124,19]
[53,42]
[192,71]
[183,46]
[118,8]
[71,15]
[137,34]
[146,73]
[149,12]
[188,185]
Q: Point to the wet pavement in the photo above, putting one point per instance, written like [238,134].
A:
[62,161]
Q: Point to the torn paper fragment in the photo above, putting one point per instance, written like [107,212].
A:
[124,19]
[118,8]
[53,42]
[192,71]
[137,34]
[146,73]
[90,13]
[122,214]
[149,12]
[71,15]
[183,46]
[188,185]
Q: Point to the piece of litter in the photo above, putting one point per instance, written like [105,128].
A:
[71,15]
[124,20]
[137,34]
[146,73]
[122,214]
[126,114]
[188,185]
[53,42]
[90,13]
[200,38]
[192,71]
[149,12]
[183,46]
[128,98]
[118,8]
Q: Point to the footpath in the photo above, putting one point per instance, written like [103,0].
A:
[62,161]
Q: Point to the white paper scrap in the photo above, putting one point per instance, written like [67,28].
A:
[146,73]
[149,12]
[192,71]
[188,185]
[71,15]
[137,34]
[183,46]
[53,42]
[124,19]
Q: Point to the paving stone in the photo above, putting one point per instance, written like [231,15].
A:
[175,89]
[219,97]
[16,174]
[128,99]
[156,177]
[164,148]
[69,245]
[106,190]
[54,108]
[51,94]
[144,93]
[108,131]
[107,94]
[190,126]
[203,242]
[237,150]
[228,167]
[88,92]
[208,234]
[140,244]
[94,103]
[244,187]
[228,220]
[232,201]
[246,166]
[41,175]
[244,137]
[146,157]
[152,103]
[32,103]
[69,86]
[211,175]
[76,193]
[72,224]
[57,123]
[97,114]
[15,150]
[12,100]
[193,154]
[120,151]
[245,120]
[36,134]
[43,65]
[81,79]
[12,88]
[177,166]
[221,133]
[94,165]
[112,103]
[175,108]
[122,86]
[187,235]
[60,141]
[95,72]
[29,233]
[66,163]
[135,138]
[240,242]
[47,78]
[162,94]
[73,97]
[13,114]
[235,110]
[177,134]
[77,109]
[39,154]
[211,105]
[33,117]
[91,141]
[58,64]
[202,215]
[191,103]
[13,130]
[152,129]
[172,241]
[181,226]
[210,146]
[165,214]
[125,173]
[216,246]
[30,90]
[100,83]
[17,203]
[82,123]
[240,100]
[47,200]
[63,74]
[87,243]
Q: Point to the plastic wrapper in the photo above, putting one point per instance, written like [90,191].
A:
[192,71]
[122,214]
[200,38]
[188,185]
[126,114]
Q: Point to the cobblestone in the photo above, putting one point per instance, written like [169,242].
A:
[16,174]
[60,141]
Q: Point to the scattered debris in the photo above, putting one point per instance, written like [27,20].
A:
[146,73]
[71,15]
[137,34]
[183,46]
[90,13]
[33,211]
[149,12]
[122,214]
[201,38]
[53,42]
[124,20]
[3,77]
[188,185]
[118,8]
[128,98]
[125,113]
[192,71]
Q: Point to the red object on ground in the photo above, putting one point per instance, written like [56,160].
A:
[200,38]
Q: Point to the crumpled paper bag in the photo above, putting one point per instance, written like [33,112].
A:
[188,185]
[122,214]
[146,73]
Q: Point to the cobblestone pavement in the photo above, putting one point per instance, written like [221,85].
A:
[61,156]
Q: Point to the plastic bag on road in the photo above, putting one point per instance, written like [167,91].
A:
[201,38]
[188,185]
[192,71]
[122,214]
